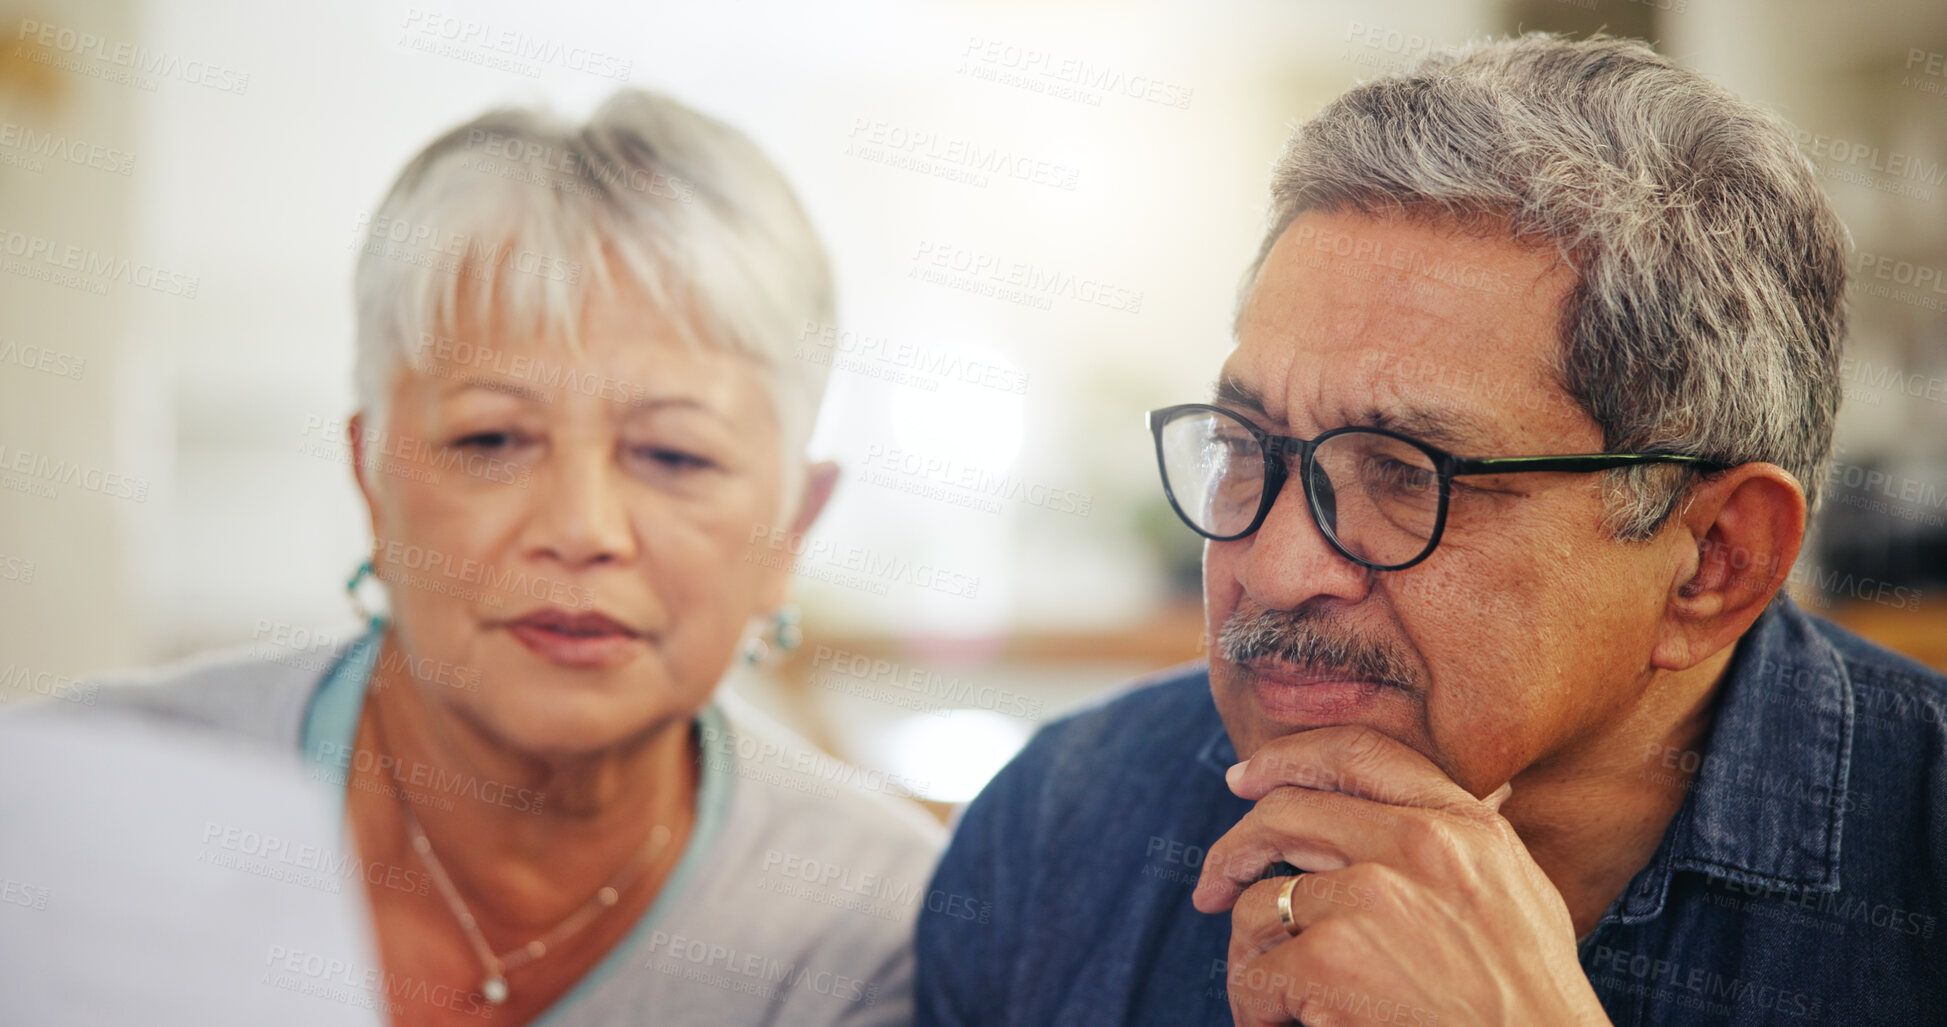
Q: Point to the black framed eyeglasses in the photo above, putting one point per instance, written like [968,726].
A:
[1379,497]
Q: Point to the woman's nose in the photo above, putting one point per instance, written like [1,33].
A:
[580,518]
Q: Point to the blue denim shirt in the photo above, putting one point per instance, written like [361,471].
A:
[1801,882]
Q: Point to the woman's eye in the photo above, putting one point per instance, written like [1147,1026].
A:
[674,459]
[485,440]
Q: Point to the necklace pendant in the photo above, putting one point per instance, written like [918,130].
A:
[494,989]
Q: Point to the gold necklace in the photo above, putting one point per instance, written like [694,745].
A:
[493,987]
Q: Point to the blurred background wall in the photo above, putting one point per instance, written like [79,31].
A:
[209,162]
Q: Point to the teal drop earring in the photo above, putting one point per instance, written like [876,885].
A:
[784,627]
[374,618]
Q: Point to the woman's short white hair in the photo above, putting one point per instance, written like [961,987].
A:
[519,214]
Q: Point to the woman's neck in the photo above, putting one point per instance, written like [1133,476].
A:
[532,834]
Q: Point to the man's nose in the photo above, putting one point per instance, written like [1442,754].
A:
[1289,561]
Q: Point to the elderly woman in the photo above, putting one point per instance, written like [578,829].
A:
[580,435]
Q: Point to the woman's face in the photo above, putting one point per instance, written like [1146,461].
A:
[568,540]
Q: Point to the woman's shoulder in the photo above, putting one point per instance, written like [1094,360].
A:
[773,772]
[257,691]
[799,904]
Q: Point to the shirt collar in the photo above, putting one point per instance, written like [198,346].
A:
[1770,793]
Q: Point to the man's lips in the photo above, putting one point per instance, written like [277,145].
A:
[1305,694]
[579,639]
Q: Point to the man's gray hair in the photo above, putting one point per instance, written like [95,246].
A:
[1709,311]
[518,215]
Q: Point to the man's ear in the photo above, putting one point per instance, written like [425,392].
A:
[1746,525]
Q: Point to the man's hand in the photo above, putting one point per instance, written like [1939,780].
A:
[1419,905]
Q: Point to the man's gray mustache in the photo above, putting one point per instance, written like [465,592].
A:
[1303,638]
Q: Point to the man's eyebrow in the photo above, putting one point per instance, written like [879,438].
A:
[1450,430]
[1236,395]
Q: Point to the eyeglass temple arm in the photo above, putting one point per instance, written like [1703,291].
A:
[1579,462]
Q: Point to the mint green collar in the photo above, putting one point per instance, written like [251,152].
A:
[331,725]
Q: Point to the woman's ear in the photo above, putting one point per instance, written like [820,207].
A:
[821,479]
[355,432]
[1747,524]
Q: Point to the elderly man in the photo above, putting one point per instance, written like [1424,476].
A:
[1507,720]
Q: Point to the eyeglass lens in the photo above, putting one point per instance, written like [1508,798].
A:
[1377,496]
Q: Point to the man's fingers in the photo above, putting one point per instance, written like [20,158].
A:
[1311,830]
[1351,759]
[1500,796]
[1256,927]
[1254,923]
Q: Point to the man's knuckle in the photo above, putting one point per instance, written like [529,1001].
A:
[1430,840]
[1363,746]
[1324,949]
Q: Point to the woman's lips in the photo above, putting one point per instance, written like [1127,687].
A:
[575,640]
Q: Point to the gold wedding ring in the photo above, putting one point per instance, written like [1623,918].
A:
[1284,904]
